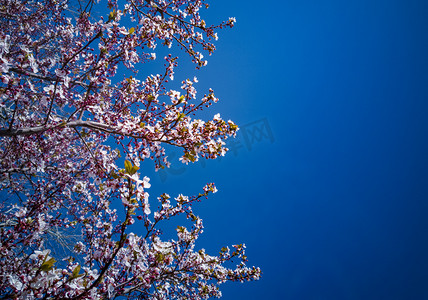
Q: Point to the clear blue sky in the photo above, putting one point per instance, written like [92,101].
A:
[328,181]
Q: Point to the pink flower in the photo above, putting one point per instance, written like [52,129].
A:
[15,282]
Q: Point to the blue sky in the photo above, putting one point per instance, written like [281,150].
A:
[327,183]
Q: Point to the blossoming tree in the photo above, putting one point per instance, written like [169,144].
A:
[67,116]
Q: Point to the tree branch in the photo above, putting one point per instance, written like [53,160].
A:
[73,124]
[46,78]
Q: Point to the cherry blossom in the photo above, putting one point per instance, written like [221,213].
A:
[78,121]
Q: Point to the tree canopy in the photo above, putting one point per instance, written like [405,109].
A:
[74,131]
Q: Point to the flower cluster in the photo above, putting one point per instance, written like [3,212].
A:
[65,105]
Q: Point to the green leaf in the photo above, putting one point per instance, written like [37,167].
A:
[128,167]
[233,127]
[134,170]
[112,15]
[159,257]
[76,271]
[180,116]
[190,157]
[193,217]
[48,265]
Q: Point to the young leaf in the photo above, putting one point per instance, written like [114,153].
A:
[128,167]
[48,265]
[134,170]
[76,271]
